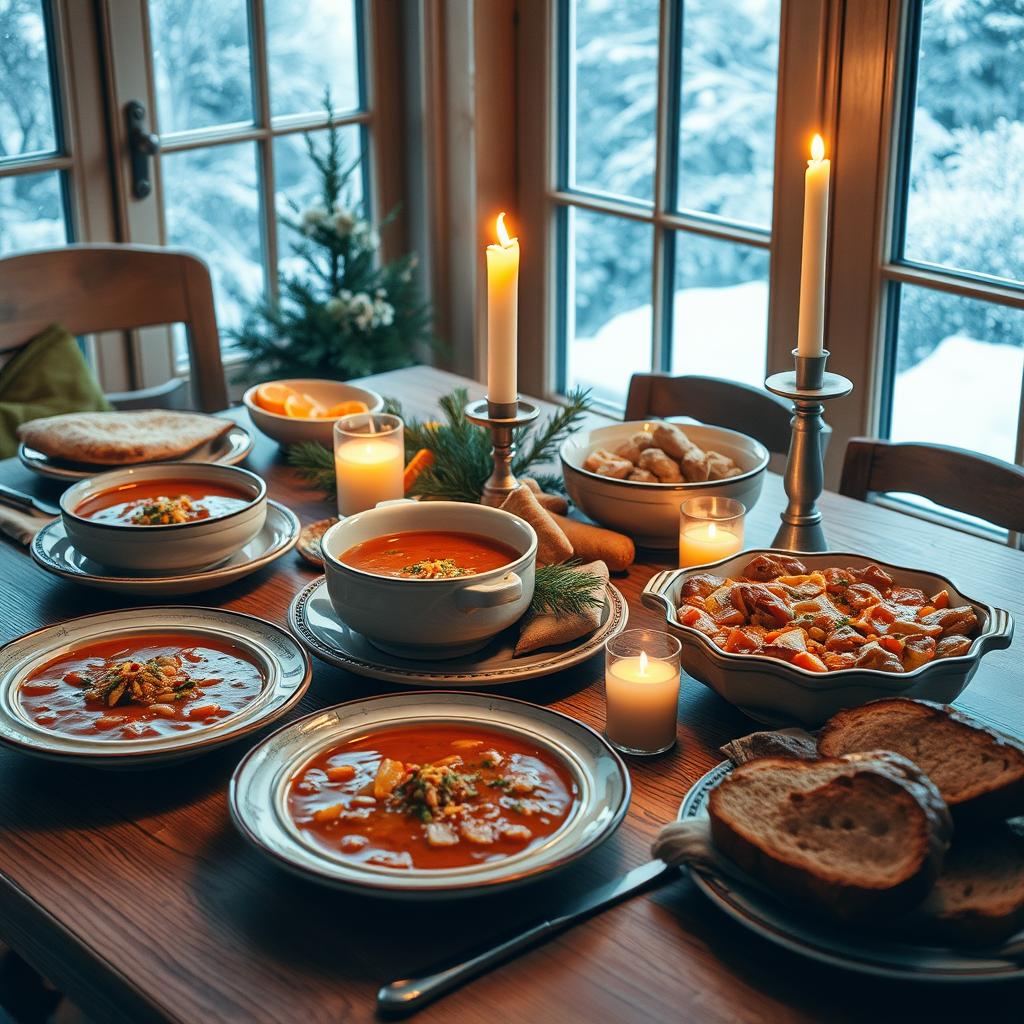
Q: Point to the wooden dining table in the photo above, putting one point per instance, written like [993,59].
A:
[135,895]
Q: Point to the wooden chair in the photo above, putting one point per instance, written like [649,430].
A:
[93,288]
[967,482]
[722,403]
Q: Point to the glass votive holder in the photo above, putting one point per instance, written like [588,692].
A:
[641,685]
[710,528]
[369,460]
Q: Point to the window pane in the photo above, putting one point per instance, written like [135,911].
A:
[609,301]
[720,322]
[965,204]
[311,45]
[201,63]
[959,365]
[614,64]
[26,103]
[212,206]
[31,212]
[298,185]
[730,64]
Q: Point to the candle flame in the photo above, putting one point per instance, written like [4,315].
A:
[643,663]
[712,531]
[817,148]
[503,237]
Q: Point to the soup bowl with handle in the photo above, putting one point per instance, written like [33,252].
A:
[174,546]
[430,618]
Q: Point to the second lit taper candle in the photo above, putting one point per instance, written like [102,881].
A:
[502,327]
[810,339]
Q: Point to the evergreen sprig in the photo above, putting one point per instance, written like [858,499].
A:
[314,463]
[461,450]
[564,590]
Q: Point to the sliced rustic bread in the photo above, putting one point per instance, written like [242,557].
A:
[978,898]
[978,771]
[858,837]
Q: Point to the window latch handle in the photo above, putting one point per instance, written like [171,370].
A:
[142,145]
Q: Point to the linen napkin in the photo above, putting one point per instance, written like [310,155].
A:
[47,376]
[548,630]
[21,526]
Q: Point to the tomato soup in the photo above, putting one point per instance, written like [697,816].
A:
[432,797]
[429,554]
[141,686]
[162,503]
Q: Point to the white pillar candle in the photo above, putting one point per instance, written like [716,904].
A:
[642,697]
[701,543]
[810,337]
[502,312]
[368,470]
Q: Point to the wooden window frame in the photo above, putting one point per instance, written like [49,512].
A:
[807,27]
[378,118]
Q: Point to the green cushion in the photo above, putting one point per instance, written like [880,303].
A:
[47,376]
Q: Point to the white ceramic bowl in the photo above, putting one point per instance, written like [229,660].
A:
[177,546]
[430,618]
[778,693]
[649,513]
[290,429]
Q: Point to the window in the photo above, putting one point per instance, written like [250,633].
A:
[664,188]
[34,206]
[954,360]
[239,85]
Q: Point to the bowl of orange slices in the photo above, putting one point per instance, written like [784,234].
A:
[292,411]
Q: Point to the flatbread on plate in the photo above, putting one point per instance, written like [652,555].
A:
[121,438]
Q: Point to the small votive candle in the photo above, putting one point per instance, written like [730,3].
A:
[641,691]
[710,528]
[369,461]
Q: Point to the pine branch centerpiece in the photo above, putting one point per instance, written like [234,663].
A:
[342,312]
[461,452]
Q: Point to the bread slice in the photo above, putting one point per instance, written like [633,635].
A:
[121,438]
[859,837]
[979,772]
[978,898]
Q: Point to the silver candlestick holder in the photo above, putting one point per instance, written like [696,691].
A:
[807,387]
[503,419]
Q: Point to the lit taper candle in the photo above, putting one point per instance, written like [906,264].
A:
[502,327]
[810,339]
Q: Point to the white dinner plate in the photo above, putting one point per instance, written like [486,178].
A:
[284,664]
[313,620]
[53,551]
[866,951]
[258,791]
[228,450]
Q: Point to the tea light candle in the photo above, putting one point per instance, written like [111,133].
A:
[641,691]
[710,528]
[369,461]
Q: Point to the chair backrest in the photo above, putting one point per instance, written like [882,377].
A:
[722,403]
[94,288]
[977,485]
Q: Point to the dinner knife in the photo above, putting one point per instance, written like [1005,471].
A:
[410,994]
[25,502]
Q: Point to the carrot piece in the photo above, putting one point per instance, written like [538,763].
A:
[422,460]
[738,642]
[891,643]
[690,616]
[941,599]
[341,772]
[811,662]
